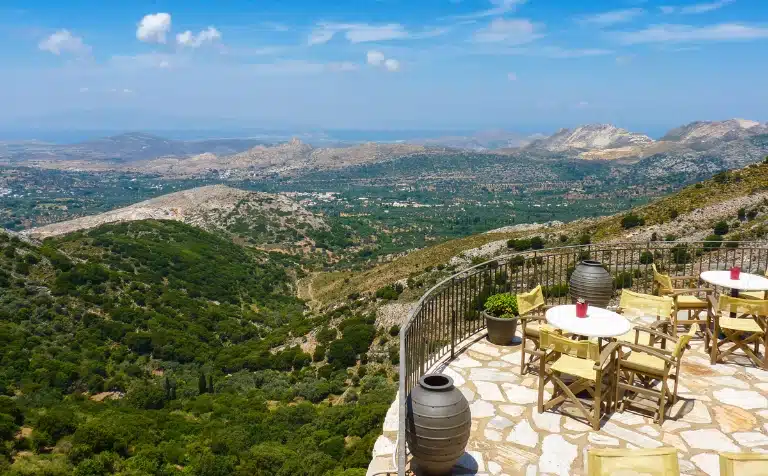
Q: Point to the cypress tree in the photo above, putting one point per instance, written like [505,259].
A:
[210,384]
[201,387]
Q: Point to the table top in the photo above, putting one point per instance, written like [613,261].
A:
[598,323]
[746,281]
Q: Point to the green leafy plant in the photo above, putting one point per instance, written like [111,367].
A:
[503,305]
[631,221]
[713,242]
[721,228]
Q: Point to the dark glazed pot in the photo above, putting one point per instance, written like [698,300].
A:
[437,424]
[501,331]
[592,282]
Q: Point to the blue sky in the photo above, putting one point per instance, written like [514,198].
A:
[533,65]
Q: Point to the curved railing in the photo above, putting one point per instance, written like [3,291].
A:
[450,312]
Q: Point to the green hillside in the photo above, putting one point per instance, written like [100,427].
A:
[725,186]
[156,348]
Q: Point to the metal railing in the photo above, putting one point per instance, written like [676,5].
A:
[451,312]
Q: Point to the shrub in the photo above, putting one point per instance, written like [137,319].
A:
[563,238]
[721,177]
[742,214]
[752,214]
[388,293]
[721,228]
[585,239]
[713,242]
[502,305]
[673,214]
[623,280]
[646,257]
[654,236]
[556,290]
[394,330]
[319,354]
[537,243]
[631,221]
[680,254]
[521,245]
[670,237]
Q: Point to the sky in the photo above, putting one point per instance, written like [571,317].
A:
[526,65]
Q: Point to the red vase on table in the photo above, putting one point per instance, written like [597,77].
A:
[581,308]
[735,273]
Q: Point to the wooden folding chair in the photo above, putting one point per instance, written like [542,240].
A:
[659,307]
[530,306]
[646,366]
[740,322]
[621,462]
[686,298]
[743,464]
[583,361]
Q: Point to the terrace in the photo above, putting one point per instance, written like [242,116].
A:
[721,407]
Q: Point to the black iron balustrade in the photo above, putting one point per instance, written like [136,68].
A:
[450,312]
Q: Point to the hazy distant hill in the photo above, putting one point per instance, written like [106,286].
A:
[126,148]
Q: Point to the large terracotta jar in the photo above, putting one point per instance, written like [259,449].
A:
[592,282]
[438,422]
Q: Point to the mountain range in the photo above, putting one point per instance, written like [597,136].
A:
[698,146]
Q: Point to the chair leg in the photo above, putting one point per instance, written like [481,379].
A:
[597,410]
[522,352]
[715,344]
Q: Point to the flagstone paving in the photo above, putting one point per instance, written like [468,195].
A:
[722,407]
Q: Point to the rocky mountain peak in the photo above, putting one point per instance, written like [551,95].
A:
[591,137]
[706,134]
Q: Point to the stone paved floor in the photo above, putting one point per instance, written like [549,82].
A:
[722,408]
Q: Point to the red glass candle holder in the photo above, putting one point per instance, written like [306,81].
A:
[581,309]
[735,273]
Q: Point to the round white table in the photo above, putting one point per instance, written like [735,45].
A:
[746,281]
[599,322]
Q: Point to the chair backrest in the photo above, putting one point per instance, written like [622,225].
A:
[663,281]
[750,307]
[621,462]
[683,340]
[582,349]
[659,306]
[743,464]
[530,301]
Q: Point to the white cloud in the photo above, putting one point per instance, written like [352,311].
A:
[392,65]
[498,8]
[127,91]
[363,32]
[696,8]
[690,33]
[624,59]
[154,28]
[189,39]
[375,58]
[84,90]
[512,76]
[612,18]
[582,104]
[511,32]
[63,41]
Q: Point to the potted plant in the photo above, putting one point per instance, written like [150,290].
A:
[501,317]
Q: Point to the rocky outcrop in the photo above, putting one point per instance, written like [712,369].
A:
[591,137]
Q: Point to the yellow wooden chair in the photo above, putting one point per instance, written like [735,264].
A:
[738,322]
[743,464]
[621,462]
[762,295]
[530,306]
[644,367]
[583,361]
[686,299]
[659,307]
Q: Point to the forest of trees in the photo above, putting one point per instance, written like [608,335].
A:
[196,341]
